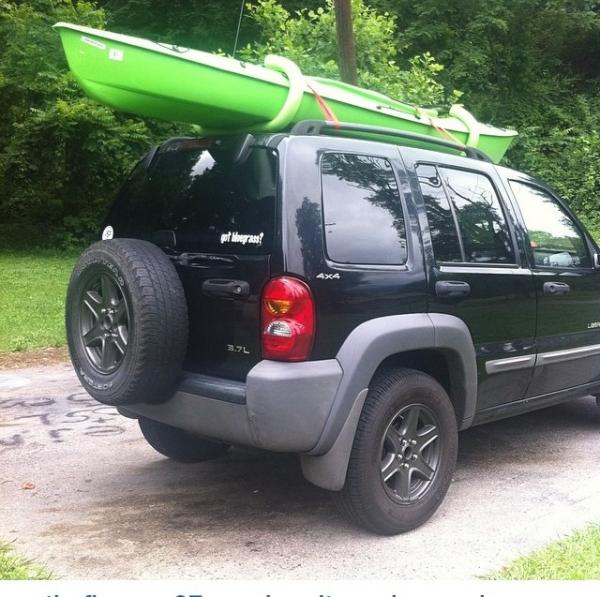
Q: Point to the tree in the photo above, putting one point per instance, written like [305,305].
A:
[309,38]
[502,53]
[61,155]
[531,65]
[345,41]
[528,64]
[208,25]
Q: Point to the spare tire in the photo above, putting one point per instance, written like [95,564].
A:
[127,323]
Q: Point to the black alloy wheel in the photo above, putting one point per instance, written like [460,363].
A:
[126,322]
[410,453]
[104,323]
[403,455]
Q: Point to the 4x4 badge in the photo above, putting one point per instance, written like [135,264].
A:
[335,276]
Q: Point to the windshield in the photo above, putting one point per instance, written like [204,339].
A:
[192,198]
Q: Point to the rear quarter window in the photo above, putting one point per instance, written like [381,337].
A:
[363,217]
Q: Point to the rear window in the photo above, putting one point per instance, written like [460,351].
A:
[193,198]
[364,221]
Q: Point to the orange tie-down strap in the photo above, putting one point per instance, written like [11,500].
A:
[330,115]
[447,134]
[327,111]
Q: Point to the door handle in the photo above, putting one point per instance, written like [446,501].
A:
[452,289]
[226,288]
[556,288]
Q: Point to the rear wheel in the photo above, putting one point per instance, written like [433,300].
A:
[178,444]
[403,456]
[127,322]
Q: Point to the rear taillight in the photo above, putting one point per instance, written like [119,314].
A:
[287,320]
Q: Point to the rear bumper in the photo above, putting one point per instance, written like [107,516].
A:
[282,407]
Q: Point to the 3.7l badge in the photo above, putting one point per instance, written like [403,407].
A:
[238,349]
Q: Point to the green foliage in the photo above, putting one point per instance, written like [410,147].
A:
[527,64]
[205,25]
[308,37]
[61,154]
[564,149]
[499,52]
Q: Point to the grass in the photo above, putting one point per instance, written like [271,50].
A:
[14,567]
[32,293]
[576,557]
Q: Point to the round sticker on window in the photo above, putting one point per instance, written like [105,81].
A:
[108,233]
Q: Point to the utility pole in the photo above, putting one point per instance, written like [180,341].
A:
[345,41]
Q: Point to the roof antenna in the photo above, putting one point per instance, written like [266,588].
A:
[237,34]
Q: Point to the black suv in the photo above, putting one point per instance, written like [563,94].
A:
[354,301]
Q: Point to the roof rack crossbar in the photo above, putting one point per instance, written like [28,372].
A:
[316,127]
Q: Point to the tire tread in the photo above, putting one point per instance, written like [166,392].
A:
[354,501]
[161,320]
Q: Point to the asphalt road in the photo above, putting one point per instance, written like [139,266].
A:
[81,491]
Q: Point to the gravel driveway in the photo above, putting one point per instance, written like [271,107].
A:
[81,491]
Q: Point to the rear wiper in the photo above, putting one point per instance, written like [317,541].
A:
[200,259]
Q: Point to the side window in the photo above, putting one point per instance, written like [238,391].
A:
[363,217]
[483,228]
[554,237]
[467,199]
[446,246]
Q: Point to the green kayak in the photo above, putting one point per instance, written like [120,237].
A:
[223,95]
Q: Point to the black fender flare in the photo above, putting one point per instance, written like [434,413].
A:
[365,348]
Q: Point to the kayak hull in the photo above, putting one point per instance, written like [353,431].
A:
[225,95]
